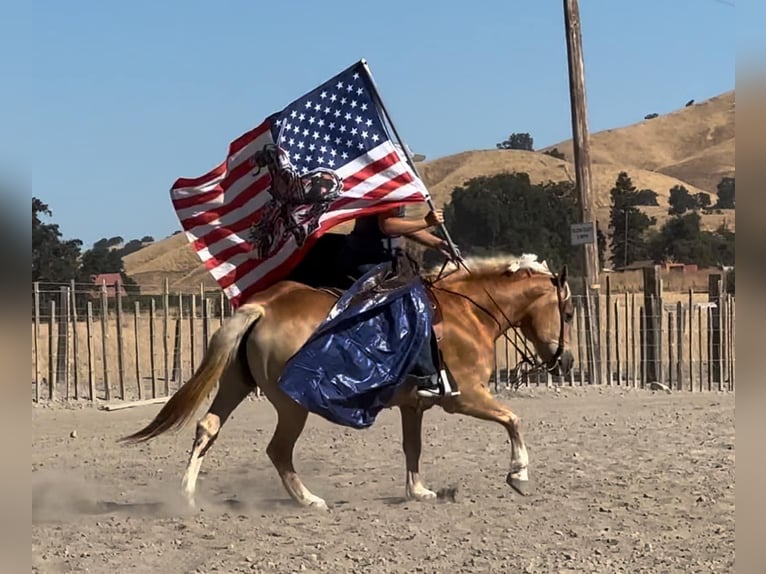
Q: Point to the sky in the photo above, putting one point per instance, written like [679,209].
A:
[116,100]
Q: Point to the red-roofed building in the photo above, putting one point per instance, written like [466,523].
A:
[111,280]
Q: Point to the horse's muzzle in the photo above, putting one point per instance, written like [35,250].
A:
[563,365]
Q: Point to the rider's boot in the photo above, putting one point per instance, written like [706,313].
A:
[432,382]
[436,386]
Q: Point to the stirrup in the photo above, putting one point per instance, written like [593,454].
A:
[446,386]
[438,388]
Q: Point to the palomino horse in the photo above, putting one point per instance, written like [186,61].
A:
[477,308]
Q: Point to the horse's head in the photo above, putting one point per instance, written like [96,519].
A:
[547,321]
[524,294]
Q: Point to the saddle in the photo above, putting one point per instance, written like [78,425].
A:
[437,322]
[404,270]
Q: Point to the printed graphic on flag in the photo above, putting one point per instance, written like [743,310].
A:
[324,159]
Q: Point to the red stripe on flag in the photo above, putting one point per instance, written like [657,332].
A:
[213,174]
[198,199]
[378,193]
[249,137]
[371,169]
[206,217]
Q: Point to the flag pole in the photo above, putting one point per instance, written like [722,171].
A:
[429,201]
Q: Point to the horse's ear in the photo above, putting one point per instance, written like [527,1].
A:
[563,276]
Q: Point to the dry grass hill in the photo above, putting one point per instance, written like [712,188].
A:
[693,146]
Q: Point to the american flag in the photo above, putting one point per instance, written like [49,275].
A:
[337,126]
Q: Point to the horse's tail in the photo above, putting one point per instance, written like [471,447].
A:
[223,348]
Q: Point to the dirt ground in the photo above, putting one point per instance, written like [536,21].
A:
[623,481]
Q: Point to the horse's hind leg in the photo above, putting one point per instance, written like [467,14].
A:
[233,388]
[290,422]
[412,423]
[481,404]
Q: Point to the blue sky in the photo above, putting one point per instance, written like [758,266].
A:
[117,100]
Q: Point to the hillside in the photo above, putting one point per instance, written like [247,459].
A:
[702,134]
[693,146]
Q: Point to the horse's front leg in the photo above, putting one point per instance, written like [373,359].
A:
[478,402]
[412,427]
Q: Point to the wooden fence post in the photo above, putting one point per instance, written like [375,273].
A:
[192,317]
[120,340]
[608,333]
[36,290]
[733,341]
[104,339]
[579,323]
[152,349]
[670,350]
[715,290]
[642,345]
[91,364]
[52,348]
[680,345]
[178,363]
[653,328]
[700,349]
[205,323]
[75,345]
[63,341]
[166,333]
[137,327]
[635,355]
[690,341]
[617,357]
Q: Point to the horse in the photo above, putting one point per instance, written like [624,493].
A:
[477,304]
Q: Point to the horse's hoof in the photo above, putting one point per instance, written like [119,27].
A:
[319,504]
[520,486]
[420,494]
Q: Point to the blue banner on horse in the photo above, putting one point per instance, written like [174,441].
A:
[350,368]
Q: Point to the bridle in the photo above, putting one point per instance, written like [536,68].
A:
[528,356]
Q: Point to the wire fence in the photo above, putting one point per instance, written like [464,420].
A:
[100,343]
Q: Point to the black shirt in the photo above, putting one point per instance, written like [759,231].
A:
[368,244]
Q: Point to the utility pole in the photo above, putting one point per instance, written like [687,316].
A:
[581,145]
[580,138]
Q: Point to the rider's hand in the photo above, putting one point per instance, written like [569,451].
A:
[444,247]
[435,217]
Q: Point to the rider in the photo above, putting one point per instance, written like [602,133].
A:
[377,239]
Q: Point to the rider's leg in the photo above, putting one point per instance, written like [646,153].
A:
[432,381]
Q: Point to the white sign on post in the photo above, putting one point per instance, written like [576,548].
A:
[583,233]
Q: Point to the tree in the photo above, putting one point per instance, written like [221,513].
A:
[522,141]
[147,239]
[702,199]
[53,259]
[725,193]
[555,153]
[506,213]
[601,246]
[646,197]
[628,223]
[95,261]
[682,240]
[681,200]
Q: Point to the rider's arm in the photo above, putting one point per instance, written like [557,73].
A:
[391,224]
[429,240]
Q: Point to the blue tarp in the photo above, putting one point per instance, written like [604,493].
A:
[352,365]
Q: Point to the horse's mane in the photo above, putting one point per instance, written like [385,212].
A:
[479,266]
